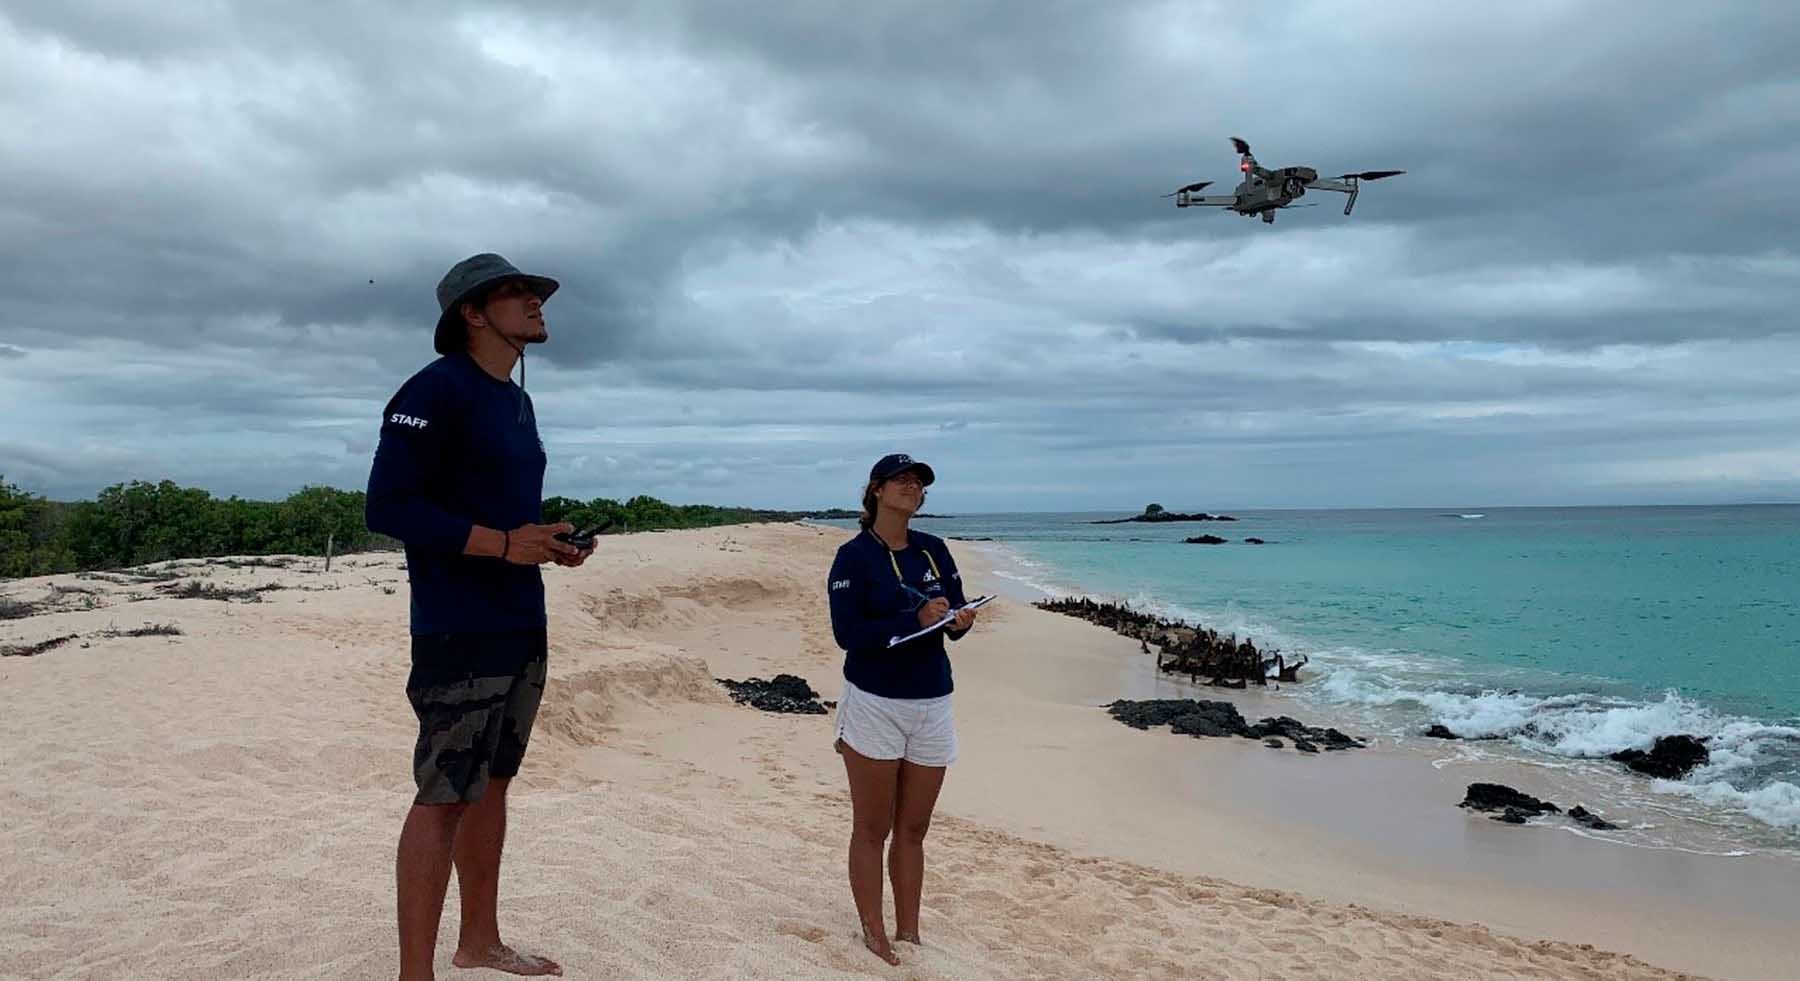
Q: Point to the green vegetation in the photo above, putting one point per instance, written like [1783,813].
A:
[31,534]
[131,524]
[134,523]
[644,513]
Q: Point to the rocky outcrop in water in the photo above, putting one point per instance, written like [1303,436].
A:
[1197,718]
[1437,730]
[1581,815]
[1158,517]
[785,693]
[1510,806]
[1670,759]
[1186,649]
[1306,739]
[1116,617]
[1513,806]
[1203,540]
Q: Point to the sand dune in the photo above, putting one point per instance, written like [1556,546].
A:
[225,802]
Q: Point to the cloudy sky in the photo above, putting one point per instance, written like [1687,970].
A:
[793,239]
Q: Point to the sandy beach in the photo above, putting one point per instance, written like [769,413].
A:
[224,802]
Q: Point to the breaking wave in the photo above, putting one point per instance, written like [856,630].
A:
[1754,769]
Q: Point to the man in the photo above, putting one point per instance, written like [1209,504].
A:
[458,477]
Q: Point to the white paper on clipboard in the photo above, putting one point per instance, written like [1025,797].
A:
[974,604]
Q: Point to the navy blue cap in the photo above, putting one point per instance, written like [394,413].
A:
[897,463]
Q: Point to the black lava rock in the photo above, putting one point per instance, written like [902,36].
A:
[1671,758]
[1582,815]
[786,693]
[1440,731]
[1513,815]
[1300,733]
[1151,712]
[1203,540]
[1279,726]
[1210,719]
[1194,717]
[1273,743]
[1498,797]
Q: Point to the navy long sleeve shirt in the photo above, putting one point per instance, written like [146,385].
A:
[870,604]
[460,448]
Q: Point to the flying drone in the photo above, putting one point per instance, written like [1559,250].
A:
[1264,191]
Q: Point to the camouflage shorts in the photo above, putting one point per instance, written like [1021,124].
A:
[476,697]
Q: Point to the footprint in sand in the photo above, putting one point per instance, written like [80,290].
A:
[810,934]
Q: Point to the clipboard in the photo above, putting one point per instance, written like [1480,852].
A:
[974,604]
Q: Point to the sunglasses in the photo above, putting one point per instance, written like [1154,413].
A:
[510,290]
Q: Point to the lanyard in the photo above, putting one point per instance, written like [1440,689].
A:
[929,560]
[896,562]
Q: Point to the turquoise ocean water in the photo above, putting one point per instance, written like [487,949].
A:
[1564,634]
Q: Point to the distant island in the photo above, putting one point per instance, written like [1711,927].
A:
[1154,513]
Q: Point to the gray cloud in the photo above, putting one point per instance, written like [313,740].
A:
[791,240]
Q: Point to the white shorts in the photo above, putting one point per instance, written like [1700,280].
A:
[918,730]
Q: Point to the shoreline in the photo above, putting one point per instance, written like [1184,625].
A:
[192,786]
[1709,816]
[1396,839]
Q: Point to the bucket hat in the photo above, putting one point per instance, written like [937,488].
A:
[467,280]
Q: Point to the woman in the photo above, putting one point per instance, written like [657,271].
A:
[894,728]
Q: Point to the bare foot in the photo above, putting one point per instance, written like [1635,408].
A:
[500,957]
[880,947]
[909,936]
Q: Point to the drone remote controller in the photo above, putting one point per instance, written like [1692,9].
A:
[583,540]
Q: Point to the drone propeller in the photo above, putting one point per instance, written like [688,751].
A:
[1240,145]
[1189,188]
[1372,175]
